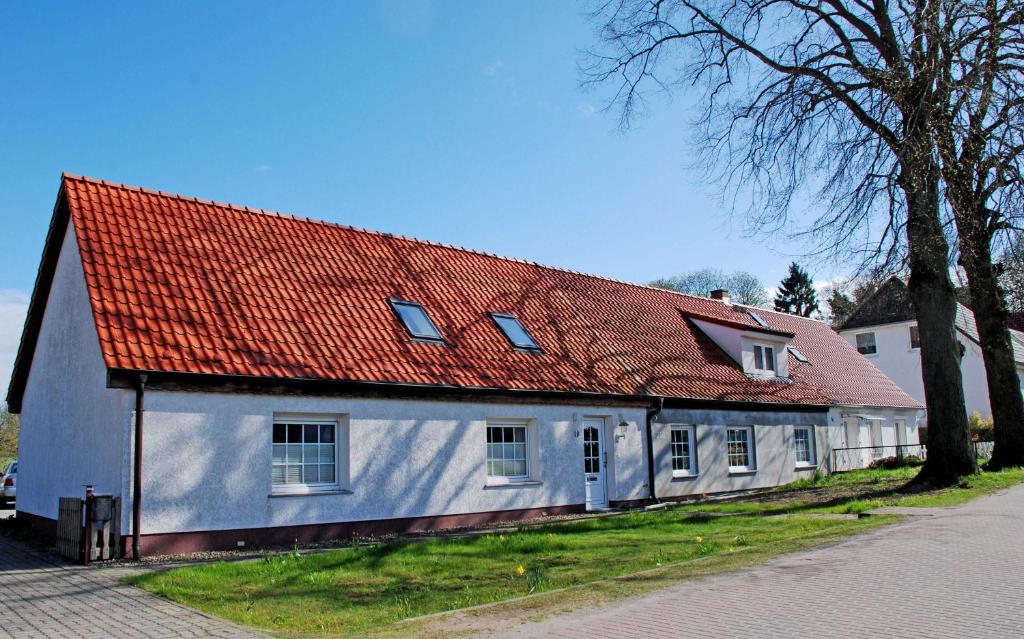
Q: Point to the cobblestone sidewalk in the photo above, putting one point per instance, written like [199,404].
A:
[40,597]
[958,573]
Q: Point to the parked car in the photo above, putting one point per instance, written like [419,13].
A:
[8,481]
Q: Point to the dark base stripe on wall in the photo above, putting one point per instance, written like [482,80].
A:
[189,542]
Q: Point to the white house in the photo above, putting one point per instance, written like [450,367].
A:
[270,378]
[884,330]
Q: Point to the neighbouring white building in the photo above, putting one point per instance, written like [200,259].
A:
[884,330]
[272,378]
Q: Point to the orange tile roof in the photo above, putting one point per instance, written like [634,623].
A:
[186,285]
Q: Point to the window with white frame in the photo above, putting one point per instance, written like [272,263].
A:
[507,451]
[740,448]
[915,337]
[684,458]
[304,456]
[866,344]
[803,439]
[764,358]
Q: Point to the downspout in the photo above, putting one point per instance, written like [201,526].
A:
[140,393]
[652,412]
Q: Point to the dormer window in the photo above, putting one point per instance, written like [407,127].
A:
[515,332]
[764,358]
[416,320]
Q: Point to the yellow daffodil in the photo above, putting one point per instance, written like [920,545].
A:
[521,570]
[699,539]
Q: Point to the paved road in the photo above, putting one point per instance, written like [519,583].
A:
[956,574]
[40,597]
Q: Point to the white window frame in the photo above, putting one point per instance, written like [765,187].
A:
[765,348]
[874,343]
[498,480]
[314,487]
[751,465]
[691,457]
[812,460]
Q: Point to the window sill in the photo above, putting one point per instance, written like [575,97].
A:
[733,472]
[512,484]
[676,475]
[310,493]
[806,466]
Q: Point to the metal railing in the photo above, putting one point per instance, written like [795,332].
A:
[854,457]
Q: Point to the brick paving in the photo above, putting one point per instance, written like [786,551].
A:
[41,597]
[957,573]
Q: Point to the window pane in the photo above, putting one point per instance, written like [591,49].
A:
[416,320]
[326,453]
[769,358]
[279,433]
[294,453]
[294,433]
[758,358]
[312,433]
[277,474]
[293,474]
[519,434]
[514,331]
[326,473]
[310,454]
[326,433]
[311,473]
[277,455]
[915,337]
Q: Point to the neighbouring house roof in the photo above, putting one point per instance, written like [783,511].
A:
[891,304]
[183,285]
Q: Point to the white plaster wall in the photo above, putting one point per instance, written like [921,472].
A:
[902,364]
[72,427]
[839,436]
[206,460]
[774,449]
[727,338]
[975,382]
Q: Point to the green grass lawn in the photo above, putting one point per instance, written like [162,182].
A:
[351,591]
[359,591]
[861,490]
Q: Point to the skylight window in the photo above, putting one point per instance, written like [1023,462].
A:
[800,357]
[757,318]
[416,320]
[514,331]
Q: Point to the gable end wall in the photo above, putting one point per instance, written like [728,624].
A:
[73,428]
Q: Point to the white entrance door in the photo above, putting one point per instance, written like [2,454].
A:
[594,463]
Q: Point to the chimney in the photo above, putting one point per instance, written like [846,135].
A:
[721,295]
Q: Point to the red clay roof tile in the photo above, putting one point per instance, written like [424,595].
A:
[188,285]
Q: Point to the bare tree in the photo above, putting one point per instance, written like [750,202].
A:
[834,96]
[980,140]
[744,288]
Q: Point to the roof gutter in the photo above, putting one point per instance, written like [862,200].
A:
[652,414]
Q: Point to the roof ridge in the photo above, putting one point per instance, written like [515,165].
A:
[358,229]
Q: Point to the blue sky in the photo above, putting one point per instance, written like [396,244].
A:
[457,122]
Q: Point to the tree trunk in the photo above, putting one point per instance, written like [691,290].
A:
[950,455]
[990,315]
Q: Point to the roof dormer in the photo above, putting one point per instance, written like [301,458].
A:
[759,350]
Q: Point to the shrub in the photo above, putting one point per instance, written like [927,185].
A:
[892,463]
[982,430]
